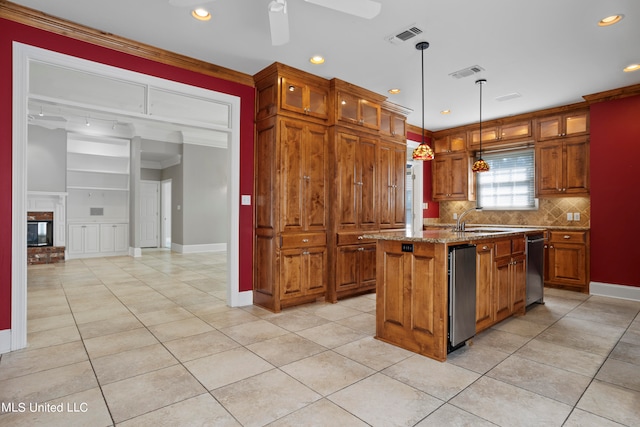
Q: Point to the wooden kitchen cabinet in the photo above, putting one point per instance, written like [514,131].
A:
[453,143]
[284,90]
[303,153]
[393,125]
[568,260]
[562,125]
[501,135]
[500,281]
[485,314]
[303,273]
[355,177]
[392,166]
[291,213]
[355,106]
[304,98]
[450,177]
[562,167]
[355,269]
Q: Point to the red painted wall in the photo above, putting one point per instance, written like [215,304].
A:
[10,32]
[434,207]
[615,194]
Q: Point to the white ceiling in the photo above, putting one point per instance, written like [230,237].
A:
[552,52]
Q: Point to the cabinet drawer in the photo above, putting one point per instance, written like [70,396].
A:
[484,247]
[303,240]
[503,248]
[353,239]
[568,236]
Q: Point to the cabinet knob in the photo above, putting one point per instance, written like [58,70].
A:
[551,247]
[360,237]
[305,240]
[360,249]
[484,248]
[566,236]
[305,253]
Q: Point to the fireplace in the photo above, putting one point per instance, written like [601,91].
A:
[39,233]
[41,243]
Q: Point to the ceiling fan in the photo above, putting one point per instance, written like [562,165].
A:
[279,20]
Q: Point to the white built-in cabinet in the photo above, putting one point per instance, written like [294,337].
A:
[98,196]
[83,239]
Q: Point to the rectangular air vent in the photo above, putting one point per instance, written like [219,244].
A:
[466,72]
[96,211]
[508,96]
[404,34]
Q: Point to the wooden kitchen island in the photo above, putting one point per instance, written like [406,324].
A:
[412,283]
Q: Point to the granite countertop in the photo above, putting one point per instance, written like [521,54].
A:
[538,227]
[449,236]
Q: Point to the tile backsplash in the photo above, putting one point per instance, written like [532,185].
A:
[550,212]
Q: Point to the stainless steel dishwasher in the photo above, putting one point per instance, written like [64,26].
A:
[535,269]
[462,295]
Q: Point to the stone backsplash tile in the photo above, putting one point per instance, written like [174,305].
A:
[551,212]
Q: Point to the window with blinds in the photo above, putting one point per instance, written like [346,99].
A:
[509,184]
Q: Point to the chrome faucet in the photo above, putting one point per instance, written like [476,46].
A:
[459,224]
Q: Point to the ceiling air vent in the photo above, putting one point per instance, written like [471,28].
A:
[404,34]
[508,96]
[466,72]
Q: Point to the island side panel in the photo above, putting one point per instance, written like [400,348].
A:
[411,300]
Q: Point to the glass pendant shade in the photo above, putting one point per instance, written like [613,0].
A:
[480,166]
[423,152]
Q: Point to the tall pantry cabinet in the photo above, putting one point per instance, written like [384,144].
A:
[324,172]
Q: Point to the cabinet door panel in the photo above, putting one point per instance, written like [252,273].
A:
[459,177]
[347,180]
[386,176]
[399,176]
[367,265]
[367,166]
[291,273]
[347,268]
[549,168]
[519,286]
[291,150]
[315,266]
[484,287]
[502,294]
[577,166]
[315,190]
[568,263]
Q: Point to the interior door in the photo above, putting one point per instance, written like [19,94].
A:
[149,213]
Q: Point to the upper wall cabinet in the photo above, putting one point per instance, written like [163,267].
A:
[287,91]
[304,98]
[393,122]
[453,143]
[562,125]
[500,135]
[355,106]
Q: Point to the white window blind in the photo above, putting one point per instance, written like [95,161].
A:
[509,183]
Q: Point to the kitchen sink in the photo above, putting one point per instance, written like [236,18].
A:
[484,230]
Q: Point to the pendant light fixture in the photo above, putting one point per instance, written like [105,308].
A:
[480,165]
[422,151]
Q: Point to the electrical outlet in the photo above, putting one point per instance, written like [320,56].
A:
[576,216]
[455,215]
[425,206]
[569,216]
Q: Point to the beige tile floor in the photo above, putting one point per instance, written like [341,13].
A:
[150,342]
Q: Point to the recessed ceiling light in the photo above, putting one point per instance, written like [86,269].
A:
[445,112]
[394,91]
[317,59]
[610,20]
[201,14]
[632,67]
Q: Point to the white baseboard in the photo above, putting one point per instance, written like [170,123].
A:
[193,249]
[615,291]
[5,341]
[242,299]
